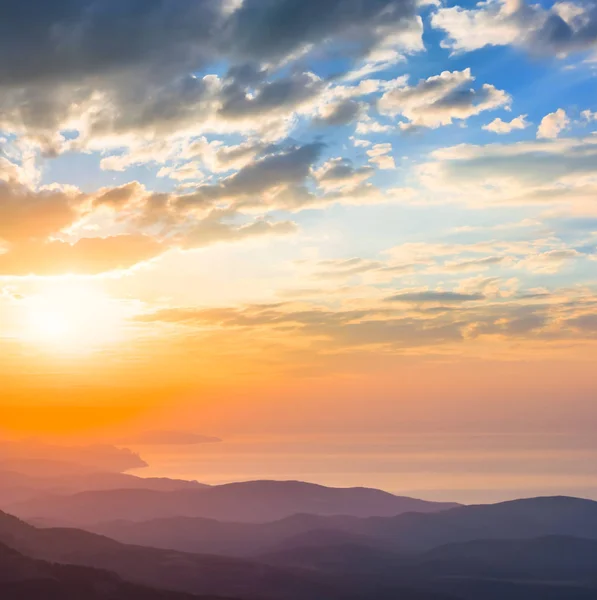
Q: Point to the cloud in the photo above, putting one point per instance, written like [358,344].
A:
[561,29]
[543,255]
[53,231]
[553,124]
[273,173]
[119,196]
[441,99]
[27,214]
[126,72]
[185,172]
[379,155]
[340,329]
[271,30]
[435,297]
[503,127]
[85,256]
[213,229]
[370,270]
[341,174]
[585,322]
[270,97]
[551,261]
[173,438]
[532,172]
[93,43]
[491,308]
[338,113]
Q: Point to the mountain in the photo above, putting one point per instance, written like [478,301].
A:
[200,535]
[191,573]
[516,519]
[555,558]
[16,487]
[488,589]
[24,578]
[546,559]
[410,532]
[338,564]
[551,568]
[250,502]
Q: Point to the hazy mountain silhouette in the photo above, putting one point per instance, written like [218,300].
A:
[191,573]
[562,568]
[516,519]
[18,487]
[346,563]
[200,535]
[553,558]
[519,519]
[563,558]
[254,501]
[493,589]
[24,578]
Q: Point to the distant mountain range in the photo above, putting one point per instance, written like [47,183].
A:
[249,502]
[409,532]
[16,486]
[122,537]
[533,549]
[185,572]
[25,578]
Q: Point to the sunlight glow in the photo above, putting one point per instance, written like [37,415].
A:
[73,318]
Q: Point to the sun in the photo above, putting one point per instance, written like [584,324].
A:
[72,318]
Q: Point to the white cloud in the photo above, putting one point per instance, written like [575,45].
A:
[379,155]
[441,99]
[540,172]
[503,127]
[563,28]
[553,124]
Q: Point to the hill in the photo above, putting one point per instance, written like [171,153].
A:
[16,487]
[24,578]
[249,502]
[409,532]
[190,573]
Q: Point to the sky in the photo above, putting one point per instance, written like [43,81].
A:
[354,239]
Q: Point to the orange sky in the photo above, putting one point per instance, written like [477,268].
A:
[261,223]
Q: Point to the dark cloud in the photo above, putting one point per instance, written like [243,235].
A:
[119,196]
[341,172]
[270,30]
[475,264]
[287,94]
[339,113]
[559,35]
[66,40]
[585,322]
[289,167]
[430,296]
[121,67]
